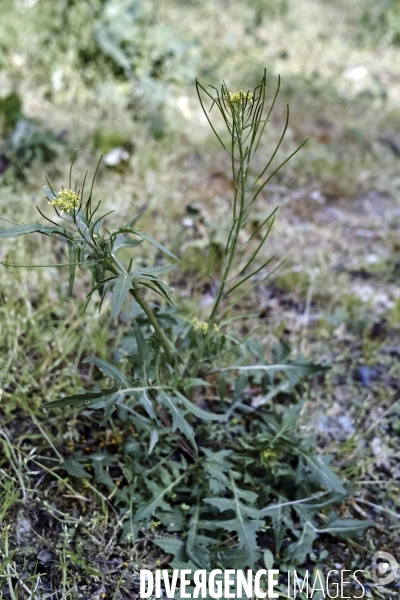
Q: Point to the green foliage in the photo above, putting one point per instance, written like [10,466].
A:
[206,460]
[246,522]
[148,56]
[11,109]
[130,35]
[246,490]
[30,141]
[25,139]
[381,21]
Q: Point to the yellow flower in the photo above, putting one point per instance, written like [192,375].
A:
[202,325]
[269,454]
[67,200]
[239,97]
[154,525]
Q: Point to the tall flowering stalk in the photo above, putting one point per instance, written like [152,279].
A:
[245,122]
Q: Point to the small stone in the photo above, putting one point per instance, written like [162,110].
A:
[24,531]
[46,557]
[115,157]
[355,73]
[318,197]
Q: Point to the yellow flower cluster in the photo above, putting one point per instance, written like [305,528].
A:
[67,200]
[269,454]
[202,325]
[240,97]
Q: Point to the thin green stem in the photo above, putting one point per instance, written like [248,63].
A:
[111,266]
[153,320]
[239,178]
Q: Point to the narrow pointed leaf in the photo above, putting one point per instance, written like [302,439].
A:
[199,412]
[345,528]
[298,550]
[145,401]
[109,405]
[298,367]
[155,432]
[288,421]
[148,238]
[322,472]
[110,370]
[197,551]
[142,358]
[74,467]
[147,509]
[122,285]
[122,241]
[178,417]
[80,400]
[22,229]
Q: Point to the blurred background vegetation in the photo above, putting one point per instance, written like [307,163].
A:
[116,77]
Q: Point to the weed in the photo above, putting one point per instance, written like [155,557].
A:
[185,400]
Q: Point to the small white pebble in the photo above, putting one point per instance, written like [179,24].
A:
[355,73]
[115,157]
[318,197]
